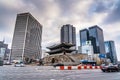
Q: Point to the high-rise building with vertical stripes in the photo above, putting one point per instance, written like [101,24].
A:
[68,34]
[27,38]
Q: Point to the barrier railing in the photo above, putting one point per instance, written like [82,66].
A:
[77,67]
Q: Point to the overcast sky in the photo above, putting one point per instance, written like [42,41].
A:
[52,14]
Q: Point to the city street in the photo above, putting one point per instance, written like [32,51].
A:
[9,72]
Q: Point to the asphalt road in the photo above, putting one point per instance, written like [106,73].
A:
[50,73]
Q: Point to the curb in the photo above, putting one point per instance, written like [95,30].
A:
[77,67]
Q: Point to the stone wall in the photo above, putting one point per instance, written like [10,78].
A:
[64,59]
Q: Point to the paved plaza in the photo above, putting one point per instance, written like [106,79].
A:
[9,72]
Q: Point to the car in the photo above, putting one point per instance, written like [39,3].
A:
[19,64]
[119,65]
[110,68]
[7,63]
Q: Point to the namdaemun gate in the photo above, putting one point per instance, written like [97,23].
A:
[61,48]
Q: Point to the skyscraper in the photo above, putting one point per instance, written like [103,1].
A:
[95,35]
[111,51]
[97,39]
[68,34]
[27,38]
[84,36]
[4,46]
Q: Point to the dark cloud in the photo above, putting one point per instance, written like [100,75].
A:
[41,6]
[6,14]
[114,15]
[66,6]
[100,6]
[9,13]
[110,7]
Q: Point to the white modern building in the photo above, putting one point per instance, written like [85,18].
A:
[86,49]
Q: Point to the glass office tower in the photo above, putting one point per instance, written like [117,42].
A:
[110,51]
[97,39]
[27,38]
[95,35]
[68,34]
[84,36]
